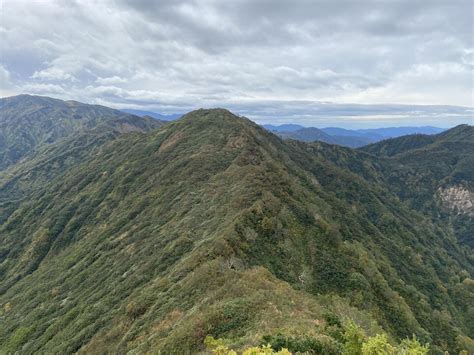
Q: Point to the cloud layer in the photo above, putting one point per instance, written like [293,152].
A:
[268,59]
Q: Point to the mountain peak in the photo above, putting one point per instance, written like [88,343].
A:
[462,128]
[219,117]
[217,113]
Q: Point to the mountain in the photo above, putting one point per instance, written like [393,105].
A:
[378,134]
[312,134]
[158,116]
[27,122]
[441,175]
[346,137]
[392,132]
[211,225]
[307,134]
[283,127]
[371,137]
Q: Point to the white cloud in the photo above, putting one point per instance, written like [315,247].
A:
[53,74]
[111,80]
[5,81]
[4,76]
[43,89]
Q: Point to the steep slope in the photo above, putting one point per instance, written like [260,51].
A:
[27,122]
[212,225]
[440,174]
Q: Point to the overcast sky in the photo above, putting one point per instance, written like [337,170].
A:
[317,63]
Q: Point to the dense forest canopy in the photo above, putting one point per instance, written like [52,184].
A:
[121,233]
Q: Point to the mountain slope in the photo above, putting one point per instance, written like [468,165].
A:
[27,122]
[441,175]
[212,225]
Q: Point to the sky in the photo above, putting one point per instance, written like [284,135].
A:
[344,63]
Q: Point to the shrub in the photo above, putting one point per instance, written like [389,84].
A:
[218,347]
[293,344]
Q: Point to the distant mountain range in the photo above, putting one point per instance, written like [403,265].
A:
[120,234]
[347,137]
[170,117]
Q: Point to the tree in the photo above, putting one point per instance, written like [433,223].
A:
[354,338]
[413,347]
[378,345]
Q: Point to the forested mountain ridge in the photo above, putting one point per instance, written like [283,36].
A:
[441,181]
[28,121]
[211,225]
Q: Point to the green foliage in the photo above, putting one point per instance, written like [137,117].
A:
[332,320]
[304,344]
[18,338]
[412,347]
[378,345]
[354,338]
[218,347]
[357,343]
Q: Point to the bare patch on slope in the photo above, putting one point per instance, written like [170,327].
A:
[458,198]
[171,141]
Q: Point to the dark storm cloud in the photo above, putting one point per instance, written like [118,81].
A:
[263,58]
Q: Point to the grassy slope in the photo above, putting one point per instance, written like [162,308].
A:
[211,225]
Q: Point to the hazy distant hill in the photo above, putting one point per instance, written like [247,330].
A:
[370,136]
[311,134]
[283,127]
[211,225]
[347,137]
[159,116]
[28,121]
[392,132]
